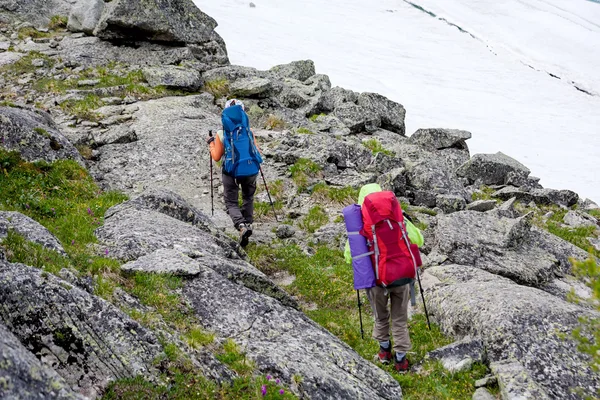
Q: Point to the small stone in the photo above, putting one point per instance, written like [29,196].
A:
[88,82]
[4,46]
[285,231]
[483,394]
[487,381]
[252,5]
[482,205]
[38,62]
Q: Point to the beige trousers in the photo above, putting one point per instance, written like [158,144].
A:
[399,297]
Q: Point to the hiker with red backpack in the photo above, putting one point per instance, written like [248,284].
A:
[383,250]
[236,146]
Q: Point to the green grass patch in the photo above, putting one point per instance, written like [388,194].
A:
[231,355]
[217,87]
[302,170]
[58,22]
[315,117]
[84,109]
[376,147]
[30,32]
[594,213]
[423,210]
[484,194]
[304,131]
[264,210]
[326,281]
[197,338]
[344,196]
[315,219]
[24,65]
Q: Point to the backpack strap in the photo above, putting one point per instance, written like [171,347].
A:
[358,257]
[376,252]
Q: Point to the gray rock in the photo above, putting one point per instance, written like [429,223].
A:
[331,234]
[251,87]
[88,82]
[497,245]
[577,219]
[588,205]
[482,205]
[130,233]
[595,242]
[232,73]
[394,180]
[335,97]
[459,356]
[85,15]
[24,377]
[285,231]
[4,46]
[115,135]
[37,12]
[91,51]
[38,62]
[430,175]
[483,394]
[565,198]
[506,209]
[284,342]
[86,340]
[357,119]
[300,70]
[389,112]
[450,203]
[173,77]
[29,229]
[492,169]
[178,21]
[165,261]
[34,135]
[516,383]
[252,5]
[10,58]
[440,139]
[519,325]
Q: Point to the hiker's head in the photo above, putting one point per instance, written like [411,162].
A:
[234,102]
[367,190]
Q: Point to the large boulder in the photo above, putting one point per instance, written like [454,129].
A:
[440,139]
[37,12]
[358,119]
[522,327]
[34,135]
[497,245]
[29,229]
[565,198]
[390,113]
[335,97]
[85,15]
[22,376]
[85,339]
[285,343]
[173,77]
[493,169]
[251,87]
[299,70]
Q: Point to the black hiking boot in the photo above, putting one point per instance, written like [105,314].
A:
[245,233]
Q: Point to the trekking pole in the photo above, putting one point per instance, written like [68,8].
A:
[423,297]
[269,194]
[212,196]
[362,332]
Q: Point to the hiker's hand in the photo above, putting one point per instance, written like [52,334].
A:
[210,140]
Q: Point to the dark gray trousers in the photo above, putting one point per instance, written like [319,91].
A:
[231,195]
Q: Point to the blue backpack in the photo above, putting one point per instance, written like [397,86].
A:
[241,155]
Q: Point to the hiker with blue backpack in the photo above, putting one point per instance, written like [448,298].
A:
[383,248]
[235,145]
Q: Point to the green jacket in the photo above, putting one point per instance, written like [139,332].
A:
[414,234]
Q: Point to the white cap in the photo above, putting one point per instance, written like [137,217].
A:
[234,102]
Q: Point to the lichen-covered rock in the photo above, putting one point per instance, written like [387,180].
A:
[10,57]
[285,343]
[482,205]
[331,234]
[29,229]
[566,198]
[22,376]
[450,203]
[83,338]
[440,139]
[335,97]
[251,87]
[390,113]
[497,245]
[149,238]
[357,119]
[576,219]
[492,169]
[483,394]
[231,73]
[300,70]
[285,231]
[34,135]
[85,15]
[460,355]
[173,77]
[519,325]
[394,180]
[37,12]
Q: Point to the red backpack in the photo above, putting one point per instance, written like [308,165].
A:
[383,226]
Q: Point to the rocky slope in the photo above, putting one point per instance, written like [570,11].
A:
[131,95]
